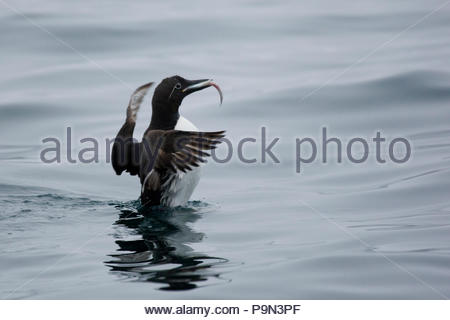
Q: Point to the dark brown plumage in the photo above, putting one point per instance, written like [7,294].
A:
[164,153]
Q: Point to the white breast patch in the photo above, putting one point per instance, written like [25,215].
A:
[179,187]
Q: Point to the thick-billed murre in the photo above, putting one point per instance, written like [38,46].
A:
[168,157]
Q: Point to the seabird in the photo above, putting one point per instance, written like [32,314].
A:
[168,157]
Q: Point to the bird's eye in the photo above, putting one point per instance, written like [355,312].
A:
[178,86]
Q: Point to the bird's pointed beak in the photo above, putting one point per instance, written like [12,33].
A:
[196,85]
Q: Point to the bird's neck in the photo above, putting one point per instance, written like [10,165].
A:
[163,118]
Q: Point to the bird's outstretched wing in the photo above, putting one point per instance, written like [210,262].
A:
[183,150]
[125,151]
[174,151]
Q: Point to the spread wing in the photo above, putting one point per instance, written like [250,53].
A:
[174,151]
[125,151]
[183,150]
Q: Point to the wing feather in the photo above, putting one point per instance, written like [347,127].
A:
[125,151]
[180,150]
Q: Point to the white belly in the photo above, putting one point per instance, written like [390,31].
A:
[185,125]
[179,187]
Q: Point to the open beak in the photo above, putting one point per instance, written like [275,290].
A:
[195,85]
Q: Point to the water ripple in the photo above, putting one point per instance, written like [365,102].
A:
[163,252]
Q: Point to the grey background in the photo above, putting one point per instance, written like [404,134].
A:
[254,231]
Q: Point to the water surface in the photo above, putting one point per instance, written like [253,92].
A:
[334,231]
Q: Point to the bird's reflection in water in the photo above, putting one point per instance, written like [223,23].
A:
[162,254]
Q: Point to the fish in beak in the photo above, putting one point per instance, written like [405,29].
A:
[196,85]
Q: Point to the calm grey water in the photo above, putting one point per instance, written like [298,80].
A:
[335,230]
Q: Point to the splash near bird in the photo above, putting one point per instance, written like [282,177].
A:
[168,157]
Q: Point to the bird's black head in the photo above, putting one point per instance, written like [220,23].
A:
[168,97]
